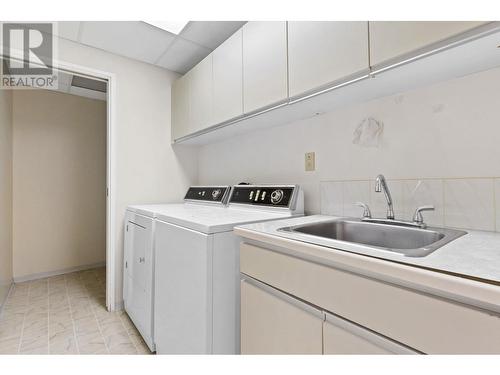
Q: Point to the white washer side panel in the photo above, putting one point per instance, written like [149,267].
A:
[183,290]
[226,294]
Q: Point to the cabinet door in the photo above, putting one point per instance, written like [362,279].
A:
[343,337]
[264,64]
[275,323]
[389,39]
[180,107]
[200,80]
[228,79]
[323,52]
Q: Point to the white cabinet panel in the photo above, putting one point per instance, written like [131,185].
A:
[201,95]
[323,52]
[180,107]
[343,337]
[264,64]
[274,323]
[389,39]
[228,79]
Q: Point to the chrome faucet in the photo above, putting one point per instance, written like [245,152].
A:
[381,184]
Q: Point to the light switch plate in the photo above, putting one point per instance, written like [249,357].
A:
[310,161]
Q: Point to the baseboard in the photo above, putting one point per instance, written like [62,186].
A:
[42,275]
[119,306]
[2,303]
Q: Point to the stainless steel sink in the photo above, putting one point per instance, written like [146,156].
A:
[406,240]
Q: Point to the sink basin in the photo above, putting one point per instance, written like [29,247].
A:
[406,240]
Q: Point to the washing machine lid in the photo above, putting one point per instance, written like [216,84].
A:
[202,195]
[210,220]
[247,204]
[150,210]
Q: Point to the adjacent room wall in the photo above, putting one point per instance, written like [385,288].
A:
[5,193]
[148,168]
[447,133]
[59,182]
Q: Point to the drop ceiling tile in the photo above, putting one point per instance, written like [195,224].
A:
[133,39]
[182,56]
[210,33]
[68,29]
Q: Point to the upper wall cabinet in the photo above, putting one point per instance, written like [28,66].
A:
[264,64]
[180,107]
[391,39]
[323,52]
[201,95]
[228,79]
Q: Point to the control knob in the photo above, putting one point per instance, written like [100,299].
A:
[276,196]
[216,193]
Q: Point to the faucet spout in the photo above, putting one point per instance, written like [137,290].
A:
[381,185]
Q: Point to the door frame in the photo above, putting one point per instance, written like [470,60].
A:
[111,224]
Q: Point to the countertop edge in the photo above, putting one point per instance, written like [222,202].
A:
[470,292]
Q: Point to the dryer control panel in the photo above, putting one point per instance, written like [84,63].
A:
[264,195]
[203,194]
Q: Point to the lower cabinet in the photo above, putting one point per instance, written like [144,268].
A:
[343,337]
[273,322]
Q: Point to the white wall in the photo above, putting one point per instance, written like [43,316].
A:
[59,169]
[5,193]
[148,168]
[448,130]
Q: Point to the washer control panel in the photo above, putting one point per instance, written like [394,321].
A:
[216,194]
[265,195]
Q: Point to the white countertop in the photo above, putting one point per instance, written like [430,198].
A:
[475,255]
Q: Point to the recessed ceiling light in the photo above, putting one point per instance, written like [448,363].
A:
[174,27]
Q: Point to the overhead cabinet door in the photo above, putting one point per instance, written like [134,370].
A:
[180,107]
[275,323]
[228,79]
[394,38]
[264,64]
[320,53]
[201,95]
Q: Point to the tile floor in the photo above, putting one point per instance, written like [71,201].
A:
[66,314]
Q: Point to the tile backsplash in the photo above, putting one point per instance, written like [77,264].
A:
[468,203]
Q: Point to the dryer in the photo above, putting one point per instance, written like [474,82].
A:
[197,277]
[138,262]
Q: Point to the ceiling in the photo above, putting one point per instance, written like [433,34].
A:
[141,41]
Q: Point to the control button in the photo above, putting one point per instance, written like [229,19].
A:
[276,196]
[251,194]
[257,195]
[216,193]
[263,195]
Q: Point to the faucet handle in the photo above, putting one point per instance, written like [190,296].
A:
[417,217]
[366,210]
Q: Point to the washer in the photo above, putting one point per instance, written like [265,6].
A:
[197,294]
[138,274]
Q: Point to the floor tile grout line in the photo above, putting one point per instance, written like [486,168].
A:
[71,315]
[128,333]
[24,320]
[48,315]
[97,320]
